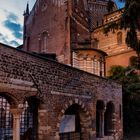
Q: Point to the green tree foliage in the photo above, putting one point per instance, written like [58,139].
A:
[110,6]
[130,81]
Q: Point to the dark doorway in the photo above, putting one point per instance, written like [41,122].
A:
[72,131]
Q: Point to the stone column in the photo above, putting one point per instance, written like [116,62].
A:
[114,123]
[43,129]
[101,123]
[16,112]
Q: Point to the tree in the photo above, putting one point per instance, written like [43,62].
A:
[130,81]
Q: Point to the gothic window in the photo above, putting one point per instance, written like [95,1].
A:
[75,2]
[44,6]
[6,120]
[119,38]
[44,42]
[28,43]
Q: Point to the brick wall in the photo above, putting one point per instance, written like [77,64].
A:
[60,86]
[48,17]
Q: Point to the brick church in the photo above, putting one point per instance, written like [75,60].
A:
[53,87]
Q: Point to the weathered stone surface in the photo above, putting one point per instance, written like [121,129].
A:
[58,87]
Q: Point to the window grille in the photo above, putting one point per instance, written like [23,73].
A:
[6,120]
[26,122]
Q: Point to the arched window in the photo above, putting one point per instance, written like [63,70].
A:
[73,125]
[6,120]
[28,43]
[119,38]
[44,42]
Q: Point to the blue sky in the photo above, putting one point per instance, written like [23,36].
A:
[11,20]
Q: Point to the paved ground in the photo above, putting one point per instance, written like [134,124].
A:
[132,138]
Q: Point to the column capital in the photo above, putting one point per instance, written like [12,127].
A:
[16,112]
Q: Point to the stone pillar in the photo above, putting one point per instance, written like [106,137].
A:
[16,112]
[101,123]
[43,129]
[114,123]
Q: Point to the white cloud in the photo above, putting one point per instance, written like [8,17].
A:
[16,7]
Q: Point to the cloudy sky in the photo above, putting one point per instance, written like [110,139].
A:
[11,20]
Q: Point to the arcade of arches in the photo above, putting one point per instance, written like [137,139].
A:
[18,122]
[22,122]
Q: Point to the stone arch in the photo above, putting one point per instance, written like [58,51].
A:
[109,119]
[10,98]
[100,107]
[84,118]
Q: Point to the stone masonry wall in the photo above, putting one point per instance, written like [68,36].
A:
[60,86]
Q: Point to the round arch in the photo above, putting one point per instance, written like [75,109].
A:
[80,118]
[10,98]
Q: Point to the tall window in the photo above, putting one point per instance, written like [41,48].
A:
[44,42]
[119,38]
[28,43]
